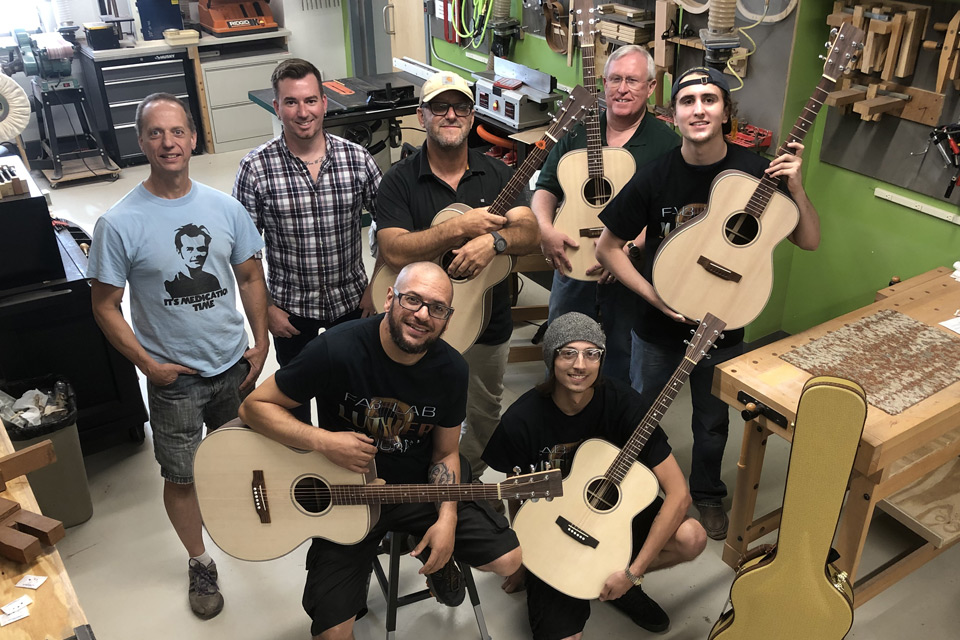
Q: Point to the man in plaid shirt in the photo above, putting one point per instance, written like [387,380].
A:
[306,191]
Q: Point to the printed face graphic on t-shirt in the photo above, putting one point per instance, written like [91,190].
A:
[192,245]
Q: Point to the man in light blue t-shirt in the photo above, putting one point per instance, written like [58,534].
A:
[186,250]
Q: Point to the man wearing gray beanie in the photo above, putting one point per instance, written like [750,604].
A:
[546,425]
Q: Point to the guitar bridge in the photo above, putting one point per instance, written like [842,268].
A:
[260,496]
[718,270]
[591,232]
[577,533]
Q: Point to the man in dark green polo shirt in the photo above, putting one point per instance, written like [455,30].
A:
[629,79]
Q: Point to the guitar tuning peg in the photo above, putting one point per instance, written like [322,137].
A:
[834,32]
[534,499]
[722,336]
[686,342]
[532,468]
[827,45]
[516,470]
[706,356]
[549,499]
[693,332]
[821,57]
[547,466]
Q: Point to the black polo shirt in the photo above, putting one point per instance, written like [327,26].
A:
[411,196]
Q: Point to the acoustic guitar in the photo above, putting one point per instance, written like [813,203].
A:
[472,297]
[722,261]
[589,177]
[260,499]
[576,542]
[832,412]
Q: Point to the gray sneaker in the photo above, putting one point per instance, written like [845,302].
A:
[205,598]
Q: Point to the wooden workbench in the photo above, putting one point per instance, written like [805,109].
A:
[895,453]
[56,612]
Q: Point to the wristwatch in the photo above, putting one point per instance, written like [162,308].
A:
[636,580]
[499,244]
[633,250]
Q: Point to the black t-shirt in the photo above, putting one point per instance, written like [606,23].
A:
[411,196]
[359,388]
[534,431]
[652,200]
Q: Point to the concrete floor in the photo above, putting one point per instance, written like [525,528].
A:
[130,570]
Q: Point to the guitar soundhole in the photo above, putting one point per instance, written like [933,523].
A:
[741,229]
[597,191]
[312,494]
[445,261]
[602,494]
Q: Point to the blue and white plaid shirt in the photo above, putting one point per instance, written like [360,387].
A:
[311,228]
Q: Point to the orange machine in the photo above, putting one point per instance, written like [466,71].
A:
[233,17]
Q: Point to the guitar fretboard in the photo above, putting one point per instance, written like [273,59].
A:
[707,335]
[761,196]
[570,113]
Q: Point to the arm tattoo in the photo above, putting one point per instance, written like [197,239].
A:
[441,474]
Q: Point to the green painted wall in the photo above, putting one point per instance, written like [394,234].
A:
[865,240]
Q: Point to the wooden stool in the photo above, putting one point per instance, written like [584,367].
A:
[389,586]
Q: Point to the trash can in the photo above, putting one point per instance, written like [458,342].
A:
[61,488]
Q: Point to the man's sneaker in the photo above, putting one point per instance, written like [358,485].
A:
[205,598]
[714,520]
[446,585]
[641,608]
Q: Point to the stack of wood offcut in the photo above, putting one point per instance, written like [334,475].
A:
[625,24]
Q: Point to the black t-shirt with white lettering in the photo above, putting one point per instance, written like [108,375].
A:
[359,388]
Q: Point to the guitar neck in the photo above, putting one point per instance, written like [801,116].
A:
[703,340]
[765,190]
[592,121]
[628,454]
[569,114]
[411,493]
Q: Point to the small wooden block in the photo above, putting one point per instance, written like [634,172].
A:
[873,108]
[47,530]
[893,48]
[26,460]
[844,97]
[18,546]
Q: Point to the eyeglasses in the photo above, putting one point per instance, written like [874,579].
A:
[632,83]
[413,302]
[462,109]
[569,354]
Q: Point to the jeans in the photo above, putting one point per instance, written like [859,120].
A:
[179,410]
[711,417]
[612,305]
[290,348]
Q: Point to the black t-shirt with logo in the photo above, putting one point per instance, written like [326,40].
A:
[534,431]
[653,198]
[359,388]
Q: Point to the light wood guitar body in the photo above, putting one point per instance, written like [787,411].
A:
[574,543]
[472,299]
[793,593]
[584,198]
[722,261]
[590,177]
[260,499]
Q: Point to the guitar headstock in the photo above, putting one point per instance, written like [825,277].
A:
[542,484]
[844,50]
[705,337]
[573,109]
[586,23]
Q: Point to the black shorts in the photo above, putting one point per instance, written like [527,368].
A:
[337,574]
[554,615]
